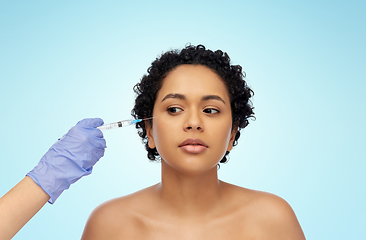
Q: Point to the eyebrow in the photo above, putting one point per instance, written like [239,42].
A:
[182,97]
[214,97]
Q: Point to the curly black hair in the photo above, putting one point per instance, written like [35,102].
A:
[219,62]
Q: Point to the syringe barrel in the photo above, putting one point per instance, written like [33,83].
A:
[115,125]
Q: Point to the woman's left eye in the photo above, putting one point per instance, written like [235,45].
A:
[211,110]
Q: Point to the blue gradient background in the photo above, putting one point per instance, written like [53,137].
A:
[62,61]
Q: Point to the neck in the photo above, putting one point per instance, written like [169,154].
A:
[192,194]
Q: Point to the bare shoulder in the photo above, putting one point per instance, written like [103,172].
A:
[266,214]
[117,218]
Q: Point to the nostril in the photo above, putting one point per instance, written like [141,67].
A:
[190,128]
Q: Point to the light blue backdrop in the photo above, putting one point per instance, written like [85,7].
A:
[62,61]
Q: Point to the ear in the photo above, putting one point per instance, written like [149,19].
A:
[149,134]
[232,138]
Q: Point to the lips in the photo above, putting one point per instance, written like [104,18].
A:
[193,145]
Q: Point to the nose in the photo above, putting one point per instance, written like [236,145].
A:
[193,122]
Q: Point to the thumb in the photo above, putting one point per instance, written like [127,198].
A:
[91,122]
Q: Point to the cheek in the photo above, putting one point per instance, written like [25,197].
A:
[163,134]
[222,135]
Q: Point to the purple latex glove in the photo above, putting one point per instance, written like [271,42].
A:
[70,158]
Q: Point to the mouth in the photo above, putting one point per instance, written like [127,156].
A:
[193,145]
[193,142]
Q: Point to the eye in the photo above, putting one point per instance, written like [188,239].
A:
[173,110]
[211,110]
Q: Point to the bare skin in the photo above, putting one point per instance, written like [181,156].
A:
[239,214]
[19,205]
[190,202]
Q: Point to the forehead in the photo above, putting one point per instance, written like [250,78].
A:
[193,80]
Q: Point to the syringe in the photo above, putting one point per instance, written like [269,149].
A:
[120,124]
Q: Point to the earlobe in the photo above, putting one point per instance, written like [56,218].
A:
[150,138]
[232,138]
[151,142]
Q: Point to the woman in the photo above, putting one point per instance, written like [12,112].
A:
[199,103]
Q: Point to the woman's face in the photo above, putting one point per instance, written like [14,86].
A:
[193,126]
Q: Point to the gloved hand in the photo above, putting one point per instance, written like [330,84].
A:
[70,158]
